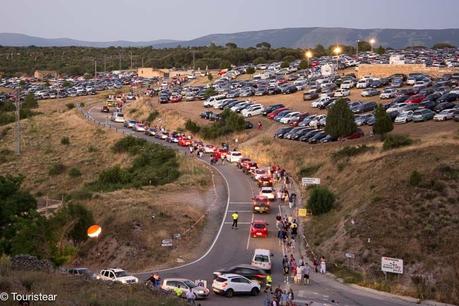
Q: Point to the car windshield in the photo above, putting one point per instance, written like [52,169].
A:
[259,225]
[190,284]
[220,279]
[121,274]
[261,258]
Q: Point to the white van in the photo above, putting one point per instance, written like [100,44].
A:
[262,259]
[211,101]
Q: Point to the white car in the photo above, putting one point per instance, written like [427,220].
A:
[209,149]
[445,114]
[404,117]
[118,117]
[320,101]
[342,93]
[347,84]
[316,121]
[388,93]
[289,117]
[362,83]
[396,108]
[268,192]
[230,284]
[234,156]
[117,275]
[169,284]
[258,173]
[139,127]
[254,110]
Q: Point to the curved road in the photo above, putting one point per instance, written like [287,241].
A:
[232,247]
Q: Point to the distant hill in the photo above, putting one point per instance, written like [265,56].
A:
[289,37]
[22,40]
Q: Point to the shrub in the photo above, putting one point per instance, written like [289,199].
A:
[92,148]
[70,106]
[383,123]
[210,92]
[230,122]
[340,120]
[415,178]
[306,171]
[192,126]
[65,140]
[74,172]
[396,141]
[350,151]
[30,102]
[6,118]
[56,169]
[133,111]
[129,145]
[321,200]
[250,70]
[152,116]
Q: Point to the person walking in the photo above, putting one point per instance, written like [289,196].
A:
[306,274]
[301,262]
[323,265]
[299,275]
[290,297]
[286,270]
[284,298]
[235,217]
[190,297]
[294,229]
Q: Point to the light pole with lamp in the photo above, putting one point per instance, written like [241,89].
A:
[372,42]
[337,51]
[308,56]
[357,53]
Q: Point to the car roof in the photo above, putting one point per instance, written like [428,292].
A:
[262,252]
[177,279]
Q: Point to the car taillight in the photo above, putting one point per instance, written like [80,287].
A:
[225,284]
[260,276]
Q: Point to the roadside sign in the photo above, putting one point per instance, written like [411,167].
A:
[392,265]
[305,181]
[302,212]
[166,242]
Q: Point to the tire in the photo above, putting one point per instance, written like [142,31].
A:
[230,293]
[254,291]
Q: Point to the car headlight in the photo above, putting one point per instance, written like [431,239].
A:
[201,292]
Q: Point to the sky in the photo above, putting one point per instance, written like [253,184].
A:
[144,20]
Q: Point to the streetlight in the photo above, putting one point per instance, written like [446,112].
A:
[337,51]
[308,56]
[358,42]
[372,42]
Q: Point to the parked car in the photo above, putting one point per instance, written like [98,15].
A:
[231,284]
[268,192]
[130,124]
[404,116]
[271,108]
[342,93]
[370,92]
[388,93]
[117,275]
[310,95]
[83,272]
[423,115]
[169,284]
[139,127]
[234,156]
[445,114]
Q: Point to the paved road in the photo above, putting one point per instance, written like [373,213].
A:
[232,247]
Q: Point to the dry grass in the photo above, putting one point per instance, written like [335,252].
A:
[72,290]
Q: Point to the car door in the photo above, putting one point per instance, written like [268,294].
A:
[111,275]
[238,285]
[244,284]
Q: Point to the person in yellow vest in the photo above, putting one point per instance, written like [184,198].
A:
[234,216]
[178,292]
[269,282]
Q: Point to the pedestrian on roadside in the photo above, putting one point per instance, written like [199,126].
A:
[268,300]
[190,297]
[301,262]
[323,265]
[299,275]
[306,274]
[191,149]
[269,282]
[235,217]
[294,229]
[284,298]
[286,270]
[284,260]
[291,297]
[315,262]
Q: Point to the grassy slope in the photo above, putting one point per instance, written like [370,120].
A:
[126,216]
[77,291]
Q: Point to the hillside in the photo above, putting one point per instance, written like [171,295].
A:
[62,153]
[288,37]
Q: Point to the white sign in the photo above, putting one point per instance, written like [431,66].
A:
[310,181]
[392,265]
[166,242]
[349,255]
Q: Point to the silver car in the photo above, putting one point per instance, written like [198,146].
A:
[170,284]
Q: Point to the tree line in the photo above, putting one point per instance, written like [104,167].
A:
[81,60]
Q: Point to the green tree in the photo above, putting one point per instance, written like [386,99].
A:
[263,45]
[78,217]
[364,46]
[303,65]
[259,60]
[321,201]
[319,50]
[30,102]
[383,123]
[380,50]
[210,77]
[340,120]
[250,70]
[285,64]
[231,45]
[443,45]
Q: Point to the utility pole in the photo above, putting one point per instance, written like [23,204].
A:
[194,57]
[105,64]
[18,123]
[95,68]
[120,61]
[357,53]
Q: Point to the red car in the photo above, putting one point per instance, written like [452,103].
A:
[259,228]
[415,99]
[175,98]
[274,113]
[249,166]
[242,161]
[184,141]
[220,153]
[357,134]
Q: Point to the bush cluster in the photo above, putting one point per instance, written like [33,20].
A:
[350,151]
[396,141]
[321,200]
[230,122]
[192,126]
